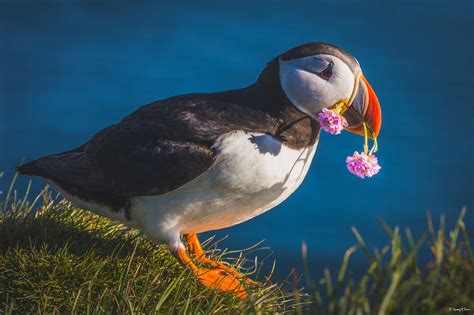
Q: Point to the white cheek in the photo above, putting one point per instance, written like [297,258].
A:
[309,92]
[304,89]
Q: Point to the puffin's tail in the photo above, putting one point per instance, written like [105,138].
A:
[30,168]
[48,166]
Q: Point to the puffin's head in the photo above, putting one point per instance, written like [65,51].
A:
[317,75]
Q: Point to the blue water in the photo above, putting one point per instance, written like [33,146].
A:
[69,69]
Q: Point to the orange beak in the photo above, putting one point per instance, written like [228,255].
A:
[364,108]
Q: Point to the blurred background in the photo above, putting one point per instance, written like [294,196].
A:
[69,69]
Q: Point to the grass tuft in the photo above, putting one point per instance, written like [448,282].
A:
[395,283]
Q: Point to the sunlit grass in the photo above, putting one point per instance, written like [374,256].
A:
[59,259]
[55,258]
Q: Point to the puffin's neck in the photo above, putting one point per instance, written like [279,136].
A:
[295,128]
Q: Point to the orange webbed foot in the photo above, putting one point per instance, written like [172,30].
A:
[195,248]
[226,269]
[222,281]
[220,277]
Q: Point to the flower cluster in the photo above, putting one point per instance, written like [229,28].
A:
[331,121]
[363,164]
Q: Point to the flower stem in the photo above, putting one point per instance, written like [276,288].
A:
[376,144]
[366,138]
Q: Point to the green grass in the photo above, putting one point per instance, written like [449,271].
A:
[395,283]
[59,259]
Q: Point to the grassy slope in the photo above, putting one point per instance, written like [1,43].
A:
[62,259]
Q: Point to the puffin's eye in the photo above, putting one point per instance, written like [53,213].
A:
[327,73]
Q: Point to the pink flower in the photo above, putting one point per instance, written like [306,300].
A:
[363,165]
[331,121]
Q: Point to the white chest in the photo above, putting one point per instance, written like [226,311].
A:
[252,163]
[252,174]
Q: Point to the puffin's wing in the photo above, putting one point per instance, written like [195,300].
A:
[139,164]
[200,118]
[160,147]
[117,162]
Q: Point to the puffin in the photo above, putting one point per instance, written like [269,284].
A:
[199,162]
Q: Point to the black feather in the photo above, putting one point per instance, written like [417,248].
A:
[29,168]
